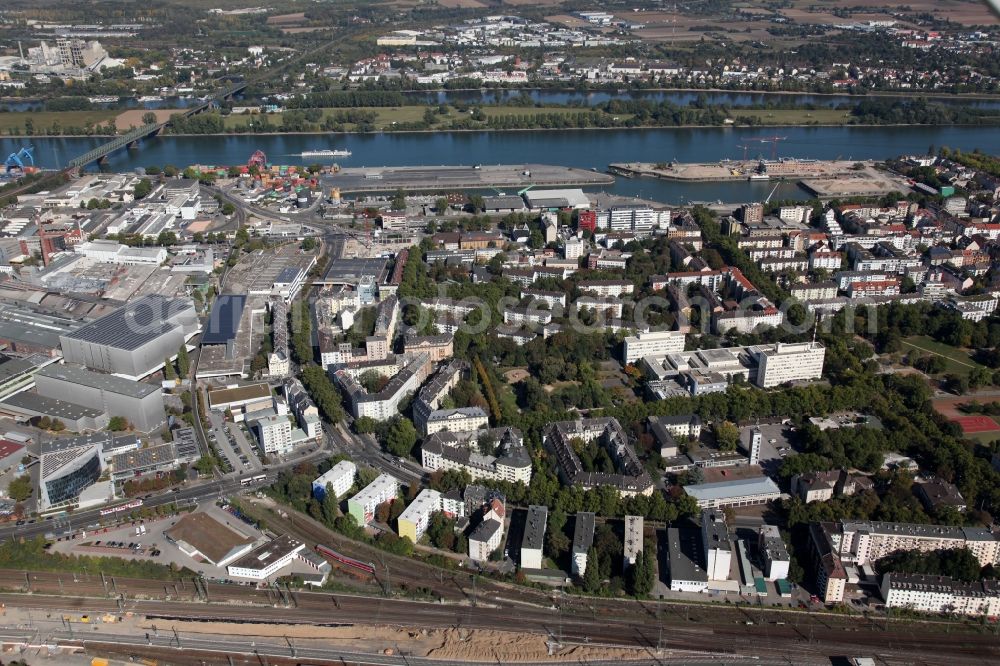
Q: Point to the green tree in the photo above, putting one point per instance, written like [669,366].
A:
[643,573]
[142,188]
[401,438]
[592,575]
[399,200]
[441,205]
[20,488]
[228,209]
[727,435]
[308,244]
[168,370]
[118,424]
[183,362]
[205,465]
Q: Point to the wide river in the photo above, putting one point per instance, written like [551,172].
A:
[579,148]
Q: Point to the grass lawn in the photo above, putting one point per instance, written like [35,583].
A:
[983,437]
[795,116]
[43,120]
[957,360]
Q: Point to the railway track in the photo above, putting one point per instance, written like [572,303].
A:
[248,605]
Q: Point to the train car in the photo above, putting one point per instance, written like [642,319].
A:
[343,559]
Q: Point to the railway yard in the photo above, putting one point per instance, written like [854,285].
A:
[442,616]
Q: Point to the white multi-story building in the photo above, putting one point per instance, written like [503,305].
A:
[863,542]
[274,433]
[583,540]
[339,478]
[633,541]
[784,362]
[362,506]
[797,214]
[717,548]
[485,539]
[941,594]
[773,552]
[574,248]
[534,537]
[831,261]
[460,419]
[653,343]
[606,287]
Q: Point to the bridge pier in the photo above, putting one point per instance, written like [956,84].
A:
[133,145]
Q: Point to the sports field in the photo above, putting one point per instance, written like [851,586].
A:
[957,361]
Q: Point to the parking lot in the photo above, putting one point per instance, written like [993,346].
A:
[150,544]
[230,440]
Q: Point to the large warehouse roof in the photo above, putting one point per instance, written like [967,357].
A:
[224,322]
[736,488]
[132,326]
[110,383]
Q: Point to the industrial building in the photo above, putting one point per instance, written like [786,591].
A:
[199,536]
[684,560]
[76,418]
[266,559]
[139,402]
[738,492]
[133,341]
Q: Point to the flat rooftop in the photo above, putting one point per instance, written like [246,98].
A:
[414,178]
[133,325]
[760,485]
[76,374]
[266,554]
[207,535]
[224,321]
[343,271]
[50,407]
[534,527]
[246,393]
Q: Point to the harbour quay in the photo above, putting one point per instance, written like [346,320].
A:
[472,177]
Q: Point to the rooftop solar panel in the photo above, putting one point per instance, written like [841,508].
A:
[224,321]
[131,326]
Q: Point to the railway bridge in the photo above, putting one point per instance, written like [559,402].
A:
[131,138]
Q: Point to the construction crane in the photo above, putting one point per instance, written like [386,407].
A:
[745,148]
[18,160]
[520,193]
[773,140]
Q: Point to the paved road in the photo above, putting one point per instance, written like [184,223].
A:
[195,492]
